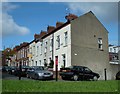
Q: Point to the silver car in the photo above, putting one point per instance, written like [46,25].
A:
[38,72]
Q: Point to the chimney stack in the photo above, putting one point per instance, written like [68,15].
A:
[50,29]
[58,24]
[36,36]
[71,17]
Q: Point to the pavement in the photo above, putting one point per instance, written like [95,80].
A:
[7,76]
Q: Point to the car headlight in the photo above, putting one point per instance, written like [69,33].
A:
[40,74]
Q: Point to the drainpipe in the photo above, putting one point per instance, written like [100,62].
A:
[53,46]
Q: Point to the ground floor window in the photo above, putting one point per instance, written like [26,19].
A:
[64,60]
[45,63]
[36,63]
[40,62]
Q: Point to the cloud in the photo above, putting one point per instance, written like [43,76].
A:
[106,11]
[9,26]
[8,7]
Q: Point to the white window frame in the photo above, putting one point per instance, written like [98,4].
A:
[51,44]
[46,43]
[37,50]
[41,45]
[66,38]
[40,62]
[33,50]
[64,59]
[100,44]
[58,41]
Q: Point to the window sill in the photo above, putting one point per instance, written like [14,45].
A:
[100,49]
[51,50]
[65,46]
[57,48]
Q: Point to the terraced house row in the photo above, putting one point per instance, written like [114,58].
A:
[79,41]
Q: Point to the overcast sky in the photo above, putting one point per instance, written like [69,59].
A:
[20,20]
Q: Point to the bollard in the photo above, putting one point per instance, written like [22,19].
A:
[56,72]
[105,74]
[56,63]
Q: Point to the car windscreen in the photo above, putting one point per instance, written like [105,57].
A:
[87,69]
[70,67]
[40,68]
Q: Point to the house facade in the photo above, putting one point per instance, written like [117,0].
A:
[21,54]
[90,44]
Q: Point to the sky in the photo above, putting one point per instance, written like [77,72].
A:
[21,20]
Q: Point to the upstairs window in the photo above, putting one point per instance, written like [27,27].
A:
[37,50]
[45,46]
[110,49]
[100,44]
[40,48]
[33,50]
[114,50]
[64,60]
[51,44]
[66,38]
[58,41]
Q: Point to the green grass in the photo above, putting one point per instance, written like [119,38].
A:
[65,86]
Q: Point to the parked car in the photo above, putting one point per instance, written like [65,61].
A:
[118,76]
[5,68]
[24,71]
[78,73]
[38,72]
[11,69]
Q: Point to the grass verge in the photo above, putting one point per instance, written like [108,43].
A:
[61,86]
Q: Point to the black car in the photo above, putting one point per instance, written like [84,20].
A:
[5,68]
[23,72]
[11,70]
[118,76]
[78,73]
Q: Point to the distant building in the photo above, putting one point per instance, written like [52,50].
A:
[21,54]
[113,54]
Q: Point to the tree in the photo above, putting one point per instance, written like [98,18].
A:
[45,64]
[51,64]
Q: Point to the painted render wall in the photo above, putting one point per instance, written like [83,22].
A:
[48,54]
[63,49]
[38,55]
[85,32]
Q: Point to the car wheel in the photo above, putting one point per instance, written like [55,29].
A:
[75,78]
[95,78]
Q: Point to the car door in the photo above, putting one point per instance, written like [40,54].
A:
[78,71]
[31,72]
[87,73]
[81,74]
